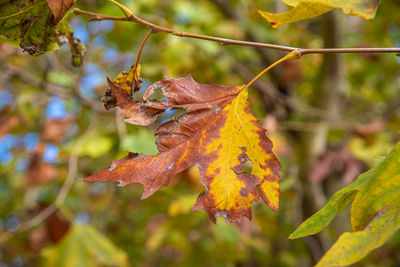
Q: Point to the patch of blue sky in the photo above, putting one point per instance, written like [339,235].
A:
[183,18]
[82,218]
[7,142]
[30,141]
[95,77]
[13,224]
[110,54]
[146,83]
[21,165]
[99,40]
[5,98]
[82,33]
[129,59]
[398,45]
[55,109]
[50,153]
[76,21]
[102,26]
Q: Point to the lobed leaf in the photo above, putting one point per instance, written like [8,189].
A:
[374,213]
[217,133]
[304,9]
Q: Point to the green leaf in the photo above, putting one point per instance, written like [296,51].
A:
[324,216]
[96,145]
[141,141]
[374,213]
[84,246]
[30,25]
[312,8]
[352,247]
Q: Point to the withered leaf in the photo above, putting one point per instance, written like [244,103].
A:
[7,122]
[55,129]
[38,171]
[217,133]
[59,8]
[129,81]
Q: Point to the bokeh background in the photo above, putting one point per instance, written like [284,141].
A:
[329,117]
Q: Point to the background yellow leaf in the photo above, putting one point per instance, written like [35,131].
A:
[312,8]
[84,246]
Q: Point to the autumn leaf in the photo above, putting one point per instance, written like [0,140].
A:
[7,122]
[32,24]
[217,133]
[59,8]
[83,245]
[375,213]
[54,130]
[304,9]
[129,81]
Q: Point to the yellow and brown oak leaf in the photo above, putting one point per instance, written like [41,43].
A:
[217,133]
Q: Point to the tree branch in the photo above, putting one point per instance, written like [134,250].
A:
[156,28]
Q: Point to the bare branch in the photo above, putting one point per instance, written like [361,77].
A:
[156,28]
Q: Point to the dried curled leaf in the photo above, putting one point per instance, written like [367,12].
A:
[32,24]
[304,9]
[217,133]
[59,8]
[129,81]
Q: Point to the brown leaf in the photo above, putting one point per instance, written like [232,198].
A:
[7,122]
[339,160]
[39,172]
[59,8]
[217,133]
[370,128]
[55,129]
[129,82]
[135,112]
[56,227]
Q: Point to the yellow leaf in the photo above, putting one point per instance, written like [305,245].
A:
[240,141]
[217,133]
[84,246]
[312,8]
[129,81]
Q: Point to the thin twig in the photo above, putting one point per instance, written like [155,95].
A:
[156,28]
[141,49]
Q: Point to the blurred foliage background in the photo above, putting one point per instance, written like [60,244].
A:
[330,117]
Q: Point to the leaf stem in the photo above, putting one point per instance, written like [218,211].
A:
[292,55]
[156,28]
[141,49]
